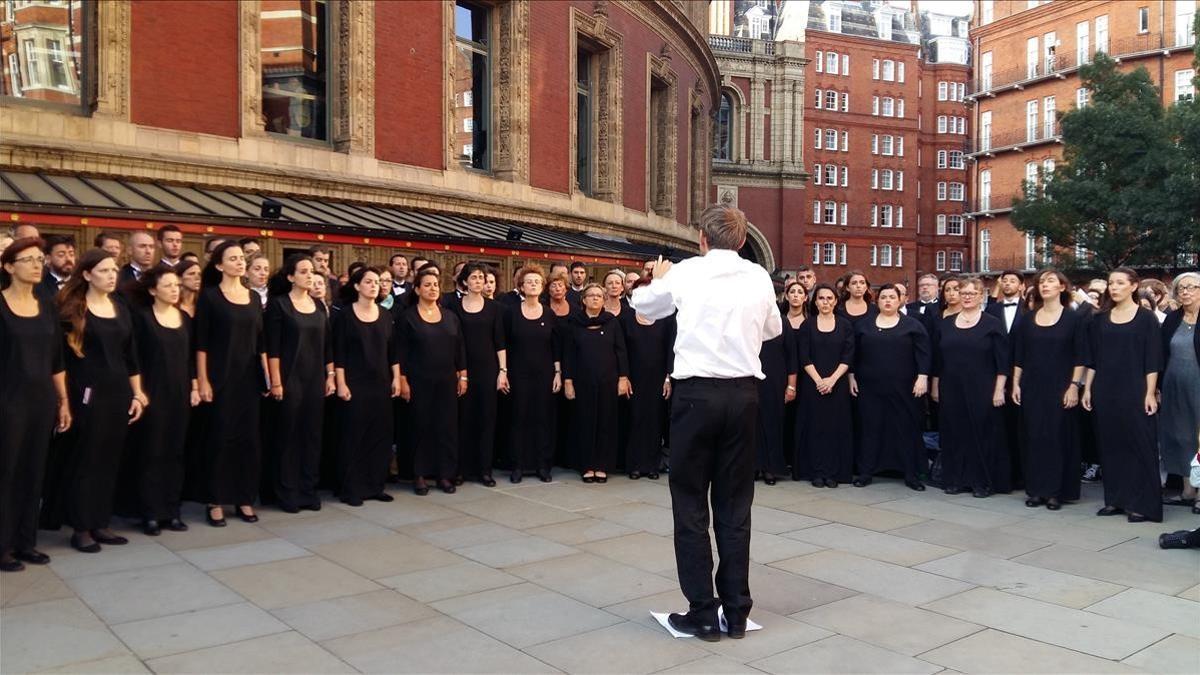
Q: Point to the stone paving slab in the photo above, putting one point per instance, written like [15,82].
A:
[561,576]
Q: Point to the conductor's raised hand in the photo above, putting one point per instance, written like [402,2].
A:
[661,267]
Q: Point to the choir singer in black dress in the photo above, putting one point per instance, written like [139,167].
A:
[650,345]
[971,365]
[534,376]
[300,363]
[367,372]
[857,302]
[106,397]
[1126,357]
[826,353]
[433,360]
[595,374]
[155,465]
[33,386]
[1050,350]
[231,363]
[482,324]
[892,361]
[778,357]
[796,314]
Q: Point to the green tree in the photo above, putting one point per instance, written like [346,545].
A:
[1116,192]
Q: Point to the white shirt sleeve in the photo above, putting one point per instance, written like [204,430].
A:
[655,300]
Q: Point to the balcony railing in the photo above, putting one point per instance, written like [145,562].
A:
[1013,139]
[741,45]
[992,204]
[1068,60]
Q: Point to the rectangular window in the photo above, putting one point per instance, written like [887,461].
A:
[1049,116]
[843,212]
[1031,120]
[817,173]
[888,107]
[817,139]
[831,138]
[985,71]
[816,259]
[899,216]
[841,254]
[14,74]
[58,65]
[956,160]
[900,181]
[467,124]
[1030,251]
[33,65]
[899,146]
[831,100]
[874,69]
[874,215]
[874,144]
[830,253]
[956,261]
[956,192]
[985,130]
[1032,53]
[889,70]
[845,141]
[818,98]
[943,89]
[1082,50]
[985,190]
[987,7]
[985,250]
[1185,13]
[831,213]
[833,20]
[900,107]
[954,225]
[900,72]
[816,219]
[295,75]
[941,223]
[941,159]
[1031,178]
[1185,86]
[830,174]
[820,61]
[885,255]
[885,215]
[941,124]
[887,146]
[941,191]
[1081,97]
[874,105]
[831,63]
[473,66]
[885,179]
[1143,19]
[1102,32]
[584,114]
[899,256]
[845,102]
[845,176]
[874,255]
[940,263]
[845,64]
[1047,170]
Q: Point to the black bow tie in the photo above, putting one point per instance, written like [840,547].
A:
[1011,304]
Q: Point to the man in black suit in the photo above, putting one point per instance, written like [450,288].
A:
[142,248]
[60,263]
[398,264]
[926,303]
[453,298]
[1009,308]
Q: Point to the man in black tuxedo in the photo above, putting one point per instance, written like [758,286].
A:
[60,263]
[1010,307]
[926,304]
[142,248]
[398,264]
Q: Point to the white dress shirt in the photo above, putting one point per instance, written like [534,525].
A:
[726,310]
[1010,308]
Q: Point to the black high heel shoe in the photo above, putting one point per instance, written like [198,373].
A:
[151,528]
[447,487]
[249,518]
[488,481]
[420,487]
[215,522]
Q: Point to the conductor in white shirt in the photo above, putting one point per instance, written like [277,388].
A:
[726,309]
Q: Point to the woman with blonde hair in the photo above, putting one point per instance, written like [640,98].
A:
[1180,385]
[534,377]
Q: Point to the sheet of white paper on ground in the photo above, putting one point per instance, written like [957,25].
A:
[661,618]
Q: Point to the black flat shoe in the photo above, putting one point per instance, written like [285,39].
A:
[315,506]
[1110,511]
[633,475]
[601,479]
[458,480]
[251,518]
[915,485]
[383,497]
[32,556]
[288,508]
[862,482]
[981,493]
[769,479]
[652,475]
[352,501]
[84,548]
[544,476]
[488,481]
[588,479]
[953,490]
[420,488]
[818,482]
[1053,505]
[1137,518]
[215,522]
[736,631]
[151,528]
[177,525]
[515,477]
[685,624]
[12,565]
[1033,502]
[830,483]
[109,539]
[447,487]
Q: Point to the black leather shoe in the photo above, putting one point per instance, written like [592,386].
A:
[215,522]
[830,483]
[384,497]
[12,565]
[251,518]
[915,485]
[515,477]
[447,487]
[177,525]
[588,479]
[314,506]
[1110,511]
[1137,518]
[683,623]
[458,480]
[352,501]
[634,475]
[769,479]
[818,482]
[601,479]
[1053,505]
[1034,502]
[32,556]
[981,493]
[1176,539]
[488,481]
[420,488]
[77,544]
[109,539]
[151,528]
[862,481]
[737,631]
[288,508]
[544,476]
[652,475]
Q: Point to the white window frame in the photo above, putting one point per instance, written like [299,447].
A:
[954,225]
[885,255]
[956,261]
[1031,120]
[875,105]
[874,144]
[886,145]
[942,156]
[841,254]
[986,12]
[845,176]
[887,107]
[844,213]
[1082,48]
[816,257]
[1185,87]
[820,59]
[939,263]
[1049,116]
[874,215]
[845,102]
[818,98]
[830,251]
[1102,32]
[818,134]
[874,69]
[889,70]
[941,223]
[957,160]
[831,63]
[845,141]
[818,172]
[885,179]
[985,71]
[830,213]
[874,255]
[816,214]
[1185,14]
[900,108]
[899,181]
[985,130]
[899,146]
[1081,97]
[833,20]
[985,190]
[846,64]
[1143,20]
[941,191]
[943,91]
[831,139]
[831,99]
[1032,56]
[885,215]
[957,189]
[985,250]
[831,174]
[900,72]
[941,124]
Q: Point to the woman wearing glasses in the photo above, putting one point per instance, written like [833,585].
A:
[33,386]
[1180,423]
[534,376]
[971,365]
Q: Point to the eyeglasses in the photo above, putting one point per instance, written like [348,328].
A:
[968,294]
[1187,288]
[36,259]
[592,296]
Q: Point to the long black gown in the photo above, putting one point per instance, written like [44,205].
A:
[778,358]
[1047,357]
[594,357]
[30,355]
[1122,355]
[431,354]
[887,362]
[304,347]
[483,334]
[154,464]
[794,413]
[100,395]
[967,361]
[232,337]
[651,354]
[367,352]
[533,347]
[828,429]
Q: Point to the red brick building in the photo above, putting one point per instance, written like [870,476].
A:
[1027,74]
[40,44]
[502,130]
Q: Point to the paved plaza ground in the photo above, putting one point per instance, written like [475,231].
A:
[561,577]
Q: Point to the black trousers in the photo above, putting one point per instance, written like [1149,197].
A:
[712,457]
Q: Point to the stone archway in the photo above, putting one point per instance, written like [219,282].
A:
[756,249]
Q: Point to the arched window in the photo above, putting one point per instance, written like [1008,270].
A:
[723,142]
